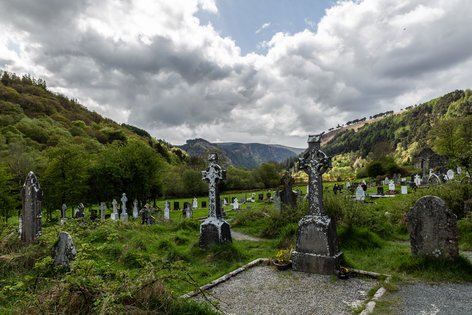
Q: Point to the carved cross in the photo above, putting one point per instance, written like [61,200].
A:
[213,175]
[315,163]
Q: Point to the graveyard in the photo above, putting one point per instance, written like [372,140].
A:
[117,258]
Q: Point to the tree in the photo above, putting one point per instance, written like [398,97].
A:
[269,174]
[7,201]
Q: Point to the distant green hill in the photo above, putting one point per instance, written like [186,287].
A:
[402,134]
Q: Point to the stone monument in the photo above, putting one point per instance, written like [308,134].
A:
[360,193]
[114,215]
[214,230]
[188,211]
[124,214]
[166,211]
[64,250]
[63,214]
[31,196]
[103,208]
[194,203]
[317,243]
[80,211]
[433,229]
[235,204]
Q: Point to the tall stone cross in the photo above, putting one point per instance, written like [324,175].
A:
[213,175]
[31,196]
[315,163]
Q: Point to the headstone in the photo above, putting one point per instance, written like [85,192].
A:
[317,243]
[404,190]
[450,174]
[391,185]
[287,195]
[260,197]
[360,193]
[380,190]
[188,211]
[204,204]
[176,205]
[386,181]
[166,211]
[214,230]
[80,211]
[194,203]
[253,197]
[124,214]
[433,228]
[93,214]
[146,216]
[135,209]
[276,201]
[459,170]
[64,251]
[103,208]
[31,196]
[235,204]
[225,201]
[63,213]
[417,180]
[348,185]
[114,215]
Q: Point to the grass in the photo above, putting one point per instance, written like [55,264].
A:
[131,267]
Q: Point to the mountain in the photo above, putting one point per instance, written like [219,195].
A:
[249,155]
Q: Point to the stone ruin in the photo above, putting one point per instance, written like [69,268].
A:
[31,195]
[214,230]
[317,243]
[433,229]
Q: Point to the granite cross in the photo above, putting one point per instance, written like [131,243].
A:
[315,163]
[213,175]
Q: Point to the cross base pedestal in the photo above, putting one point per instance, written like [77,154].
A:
[214,231]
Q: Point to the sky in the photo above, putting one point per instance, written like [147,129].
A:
[267,71]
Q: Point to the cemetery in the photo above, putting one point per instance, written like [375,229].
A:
[348,240]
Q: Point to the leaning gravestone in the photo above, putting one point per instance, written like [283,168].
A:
[115,215]
[64,251]
[317,243]
[124,214]
[31,195]
[214,230]
[433,228]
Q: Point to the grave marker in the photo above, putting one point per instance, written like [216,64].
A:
[124,214]
[103,208]
[135,209]
[114,215]
[31,196]
[166,211]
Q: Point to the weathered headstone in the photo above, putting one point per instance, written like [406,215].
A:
[176,205]
[287,195]
[63,214]
[64,251]
[188,211]
[317,243]
[417,180]
[194,203]
[459,170]
[214,230]
[103,208]
[115,215]
[433,228]
[204,204]
[360,193]
[260,197]
[80,211]
[450,174]
[404,190]
[135,209]
[166,211]
[124,214]
[276,200]
[235,204]
[31,195]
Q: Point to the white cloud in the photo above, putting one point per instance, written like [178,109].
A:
[263,27]
[152,64]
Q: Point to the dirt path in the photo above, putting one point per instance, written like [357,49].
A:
[238,236]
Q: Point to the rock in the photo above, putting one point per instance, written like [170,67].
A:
[64,251]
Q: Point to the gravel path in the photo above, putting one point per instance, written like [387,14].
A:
[265,290]
[432,299]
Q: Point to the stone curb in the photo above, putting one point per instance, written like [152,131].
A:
[369,308]
[226,277]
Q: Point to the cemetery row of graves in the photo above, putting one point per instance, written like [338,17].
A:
[120,259]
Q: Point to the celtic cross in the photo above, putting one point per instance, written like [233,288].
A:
[315,163]
[213,175]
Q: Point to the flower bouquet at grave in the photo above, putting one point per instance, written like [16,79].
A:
[282,259]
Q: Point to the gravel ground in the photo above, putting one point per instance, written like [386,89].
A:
[432,299]
[265,290]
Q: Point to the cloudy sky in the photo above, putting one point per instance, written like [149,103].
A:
[269,71]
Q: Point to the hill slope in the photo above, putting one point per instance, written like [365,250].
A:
[249,155]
